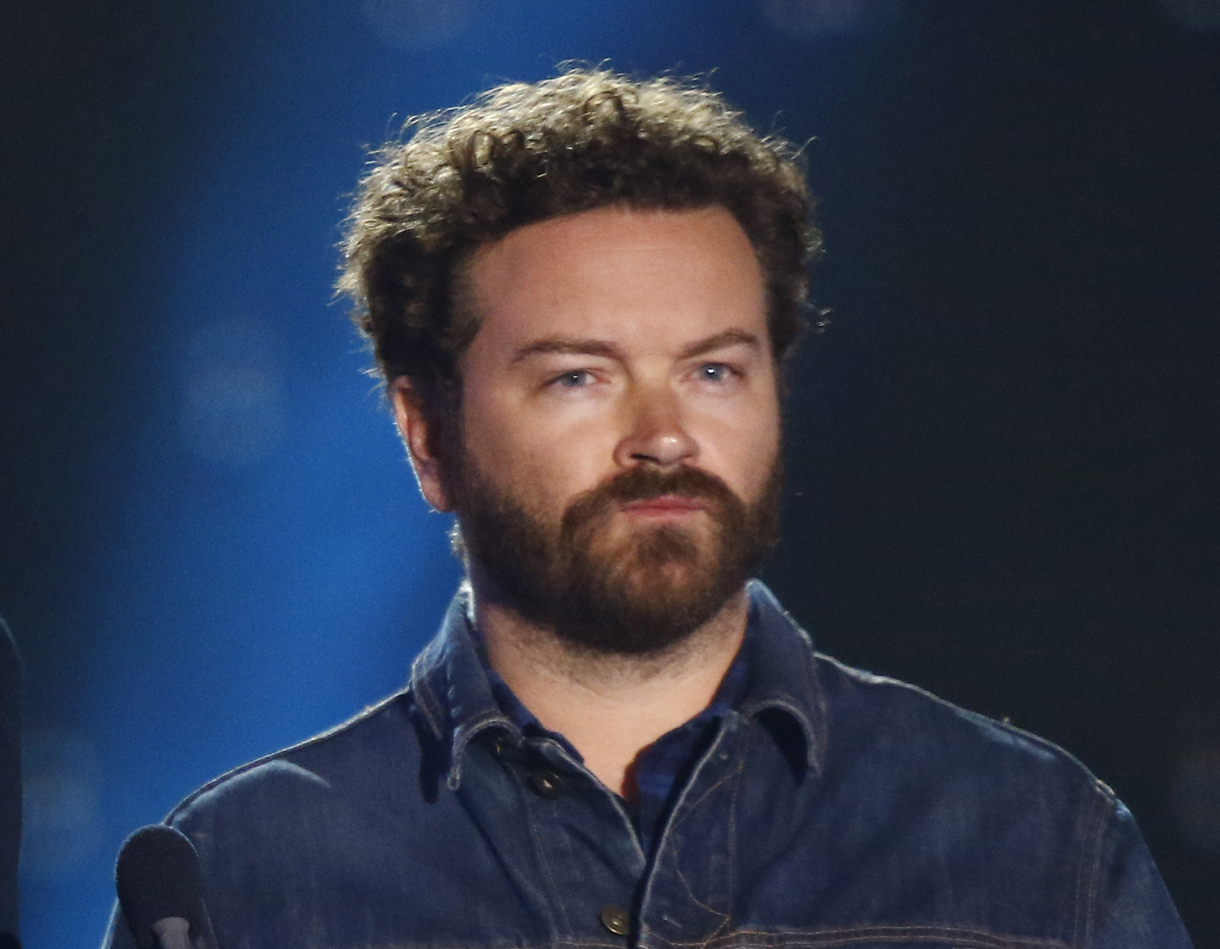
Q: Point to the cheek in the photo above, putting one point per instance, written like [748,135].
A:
[756,463]
[536,455]
[741,447]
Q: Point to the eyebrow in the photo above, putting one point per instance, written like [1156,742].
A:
[598,347]
[722,341]
[560,345]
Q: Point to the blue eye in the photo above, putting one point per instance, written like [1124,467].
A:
[715,372]
[574,379]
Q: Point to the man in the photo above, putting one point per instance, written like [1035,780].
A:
[580,294]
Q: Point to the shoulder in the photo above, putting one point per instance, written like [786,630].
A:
[902,720]
[361,759]
[856,721]
[957,773]
[1017,816]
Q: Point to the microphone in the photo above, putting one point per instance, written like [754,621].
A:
[157,876]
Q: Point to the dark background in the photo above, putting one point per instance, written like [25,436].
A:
[1002,453]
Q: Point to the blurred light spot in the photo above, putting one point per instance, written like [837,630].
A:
[1194,14]
[809,19]
[1196,800]
[234,408]
[409,24]
[63,822]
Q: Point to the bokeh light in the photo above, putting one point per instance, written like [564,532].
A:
[233,411]
[814,19]
[412,24]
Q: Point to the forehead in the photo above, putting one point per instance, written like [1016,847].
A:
[654,280]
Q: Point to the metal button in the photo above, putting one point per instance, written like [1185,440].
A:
[546,783]
[616,919]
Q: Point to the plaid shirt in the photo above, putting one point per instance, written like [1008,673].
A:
[662,768]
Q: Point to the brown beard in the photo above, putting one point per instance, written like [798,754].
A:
[636,595]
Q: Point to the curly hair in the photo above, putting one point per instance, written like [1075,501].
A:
[522,153]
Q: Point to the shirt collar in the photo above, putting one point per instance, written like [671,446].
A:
[454,696]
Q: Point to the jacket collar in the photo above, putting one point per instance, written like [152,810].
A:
[455,699]
[783,672]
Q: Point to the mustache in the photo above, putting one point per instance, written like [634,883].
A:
[644,483]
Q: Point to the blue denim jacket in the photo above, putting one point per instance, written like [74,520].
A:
[832,808]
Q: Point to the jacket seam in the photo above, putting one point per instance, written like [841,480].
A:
[1090,865]
[953,935]
[428,699]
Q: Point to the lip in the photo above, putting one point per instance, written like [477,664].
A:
[666,506]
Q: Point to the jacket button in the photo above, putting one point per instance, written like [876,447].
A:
[615,919]
[546,783]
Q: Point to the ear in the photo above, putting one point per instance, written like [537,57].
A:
[419,438]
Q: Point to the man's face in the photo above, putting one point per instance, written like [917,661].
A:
[620,423]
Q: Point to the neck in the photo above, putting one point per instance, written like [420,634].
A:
[610,707]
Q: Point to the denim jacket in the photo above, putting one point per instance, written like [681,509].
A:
[831,808]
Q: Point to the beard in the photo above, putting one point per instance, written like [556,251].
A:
[610,588]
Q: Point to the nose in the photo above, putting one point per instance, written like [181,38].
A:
[655,432]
